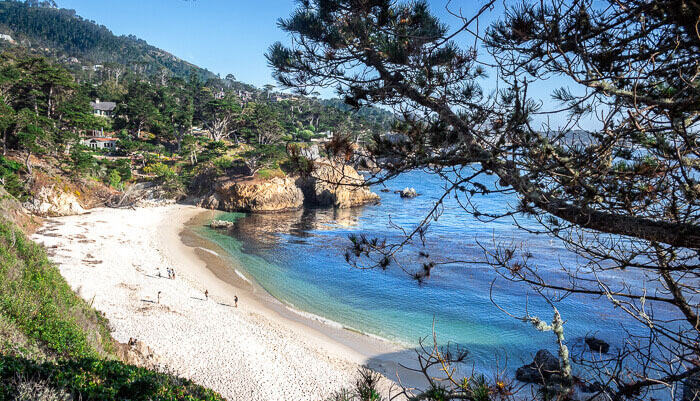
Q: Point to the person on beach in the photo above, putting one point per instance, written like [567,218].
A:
[159,297]
[235,301]
[159,272]
[206,294]
[173,270]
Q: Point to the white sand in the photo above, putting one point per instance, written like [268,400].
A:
[111,257]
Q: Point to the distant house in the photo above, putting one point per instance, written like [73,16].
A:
[100,143]
[8,38]
[104,109]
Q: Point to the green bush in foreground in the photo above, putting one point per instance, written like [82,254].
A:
[95,379]
[35,298]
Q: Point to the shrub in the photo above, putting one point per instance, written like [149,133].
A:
[10,179]
[95,379]
[35,297]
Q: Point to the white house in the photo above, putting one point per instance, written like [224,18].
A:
[104,109]
[100,143]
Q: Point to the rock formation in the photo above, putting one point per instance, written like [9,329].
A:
[335,184]
[254,195]
[597,345]
[221,224]
[539,371]
[50,201]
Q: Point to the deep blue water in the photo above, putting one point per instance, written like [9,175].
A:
[298,258]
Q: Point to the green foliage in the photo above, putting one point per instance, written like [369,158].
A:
[35,297]
[82,162]
[96,379]
[9,178]
[267,173]
[365,388]
[115,180]
[65,32]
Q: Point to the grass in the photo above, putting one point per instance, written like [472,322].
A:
[53,344]
[267,174]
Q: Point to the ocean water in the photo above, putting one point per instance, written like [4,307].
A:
[298,257]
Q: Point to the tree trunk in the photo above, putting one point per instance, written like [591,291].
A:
[27,163]
[48,104]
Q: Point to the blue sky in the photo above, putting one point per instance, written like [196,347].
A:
[224,36]
[232,36]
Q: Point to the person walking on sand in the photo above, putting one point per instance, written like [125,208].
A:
[206,294]
[159,297]
[235,301]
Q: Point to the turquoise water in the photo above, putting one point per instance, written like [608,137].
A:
[298,258]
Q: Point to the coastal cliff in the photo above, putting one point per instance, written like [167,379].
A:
[328,185]
[336,185]
[255,195]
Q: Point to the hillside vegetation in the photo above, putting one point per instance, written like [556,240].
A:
[68,35]
[54,346]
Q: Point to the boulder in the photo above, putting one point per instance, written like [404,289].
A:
[691,388]
[540,370]
[50,201]
[221,224]
[597,345]
[408,193]
[591,392]
[255,195]
[335,184]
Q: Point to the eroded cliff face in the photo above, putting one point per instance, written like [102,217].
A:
[51,201]
[255,195]
[335,184]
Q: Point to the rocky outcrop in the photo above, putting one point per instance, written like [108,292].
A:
[408,193]
[221,224]
[137,353]
[597,345]
[254,195]
[335,184]
[691,388]
[540,370]
[50,201]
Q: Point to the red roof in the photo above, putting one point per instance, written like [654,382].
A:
[104,139]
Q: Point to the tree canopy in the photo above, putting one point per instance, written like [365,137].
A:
[623,196]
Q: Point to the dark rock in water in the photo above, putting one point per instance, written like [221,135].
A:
[385,190]
[546,361]
[408,193]
[591,392]
[529,374]
[540,370]
[221,224]
[691,388]
[597,345]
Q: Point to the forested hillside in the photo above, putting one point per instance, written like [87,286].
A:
[66,35]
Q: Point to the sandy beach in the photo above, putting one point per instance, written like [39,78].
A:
[117,259]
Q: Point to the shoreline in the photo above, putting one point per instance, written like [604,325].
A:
[379,354]
[261,350]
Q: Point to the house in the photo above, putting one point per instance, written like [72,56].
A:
[104,109]
[8,38]
[100,143]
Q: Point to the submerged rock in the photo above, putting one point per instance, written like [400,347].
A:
[335,184]
[408,193]
[255,195]
[221,224]
[597,345]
